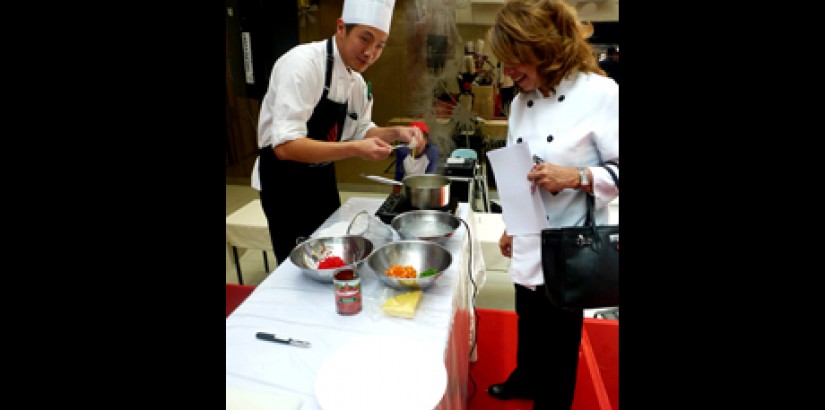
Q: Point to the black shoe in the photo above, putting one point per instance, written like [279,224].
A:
[505,392]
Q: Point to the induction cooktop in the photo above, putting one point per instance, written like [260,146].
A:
[396,204]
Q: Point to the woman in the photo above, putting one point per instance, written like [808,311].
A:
[567,112]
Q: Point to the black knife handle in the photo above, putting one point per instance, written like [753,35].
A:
[269,337]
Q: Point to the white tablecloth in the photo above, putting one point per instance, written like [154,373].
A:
[289,304]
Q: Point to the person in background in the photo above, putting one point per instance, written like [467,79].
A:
[317,110]
[424,157]
[466,76]
[610,64]
[467,70]
[567,112]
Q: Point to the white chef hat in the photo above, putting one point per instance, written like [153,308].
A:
[375,13]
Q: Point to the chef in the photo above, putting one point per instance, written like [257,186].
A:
[317,110]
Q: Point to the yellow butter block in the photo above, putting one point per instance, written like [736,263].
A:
[403,305]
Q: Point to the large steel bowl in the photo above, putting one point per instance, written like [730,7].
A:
[309,253]
[421,255]
[429,225]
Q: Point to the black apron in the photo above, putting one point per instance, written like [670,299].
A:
[297,197]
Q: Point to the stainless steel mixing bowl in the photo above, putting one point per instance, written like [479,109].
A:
[419,254]
[351,248]
[430,225]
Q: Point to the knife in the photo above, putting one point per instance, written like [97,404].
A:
[269,337]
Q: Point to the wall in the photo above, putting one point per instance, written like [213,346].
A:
[272,33]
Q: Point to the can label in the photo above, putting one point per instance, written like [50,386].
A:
[347,292]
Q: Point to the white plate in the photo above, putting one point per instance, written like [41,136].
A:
[380,373]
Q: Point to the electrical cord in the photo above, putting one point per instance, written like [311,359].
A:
[474,340]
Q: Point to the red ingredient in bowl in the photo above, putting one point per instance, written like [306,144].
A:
[331,262]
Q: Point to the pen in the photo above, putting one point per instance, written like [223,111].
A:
[269,337]
[537,160]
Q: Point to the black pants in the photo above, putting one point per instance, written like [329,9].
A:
[296,198]
[548,349]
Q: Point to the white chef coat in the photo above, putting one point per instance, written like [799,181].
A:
[295,88]
[582,123]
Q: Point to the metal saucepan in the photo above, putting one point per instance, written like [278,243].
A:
[426,191]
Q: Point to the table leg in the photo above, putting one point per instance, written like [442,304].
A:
[237,264]
[480,182]
[485,194]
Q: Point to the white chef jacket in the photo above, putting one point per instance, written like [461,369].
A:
[295,88]
[577,126]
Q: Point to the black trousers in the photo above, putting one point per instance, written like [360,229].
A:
[548,349]
[296,198]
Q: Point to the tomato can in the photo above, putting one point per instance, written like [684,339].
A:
[347,292]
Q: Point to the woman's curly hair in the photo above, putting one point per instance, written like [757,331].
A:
[547,33]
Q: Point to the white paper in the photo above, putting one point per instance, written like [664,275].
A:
[522,209]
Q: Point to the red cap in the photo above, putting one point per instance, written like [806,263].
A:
[421,126]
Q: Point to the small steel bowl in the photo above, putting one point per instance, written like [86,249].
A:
[309,253]
[428,225]
[419,254]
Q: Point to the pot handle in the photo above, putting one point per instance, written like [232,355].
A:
[382,180]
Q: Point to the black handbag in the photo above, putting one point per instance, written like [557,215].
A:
[581,263]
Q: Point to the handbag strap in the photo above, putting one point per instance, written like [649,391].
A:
[590,219]
[611,172]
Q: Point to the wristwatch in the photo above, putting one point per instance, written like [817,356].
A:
[583,179]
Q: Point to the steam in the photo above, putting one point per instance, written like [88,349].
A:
[434,68]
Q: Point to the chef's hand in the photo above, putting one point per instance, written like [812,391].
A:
[373,148]
[552,177]
[505,245]
[411,136]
